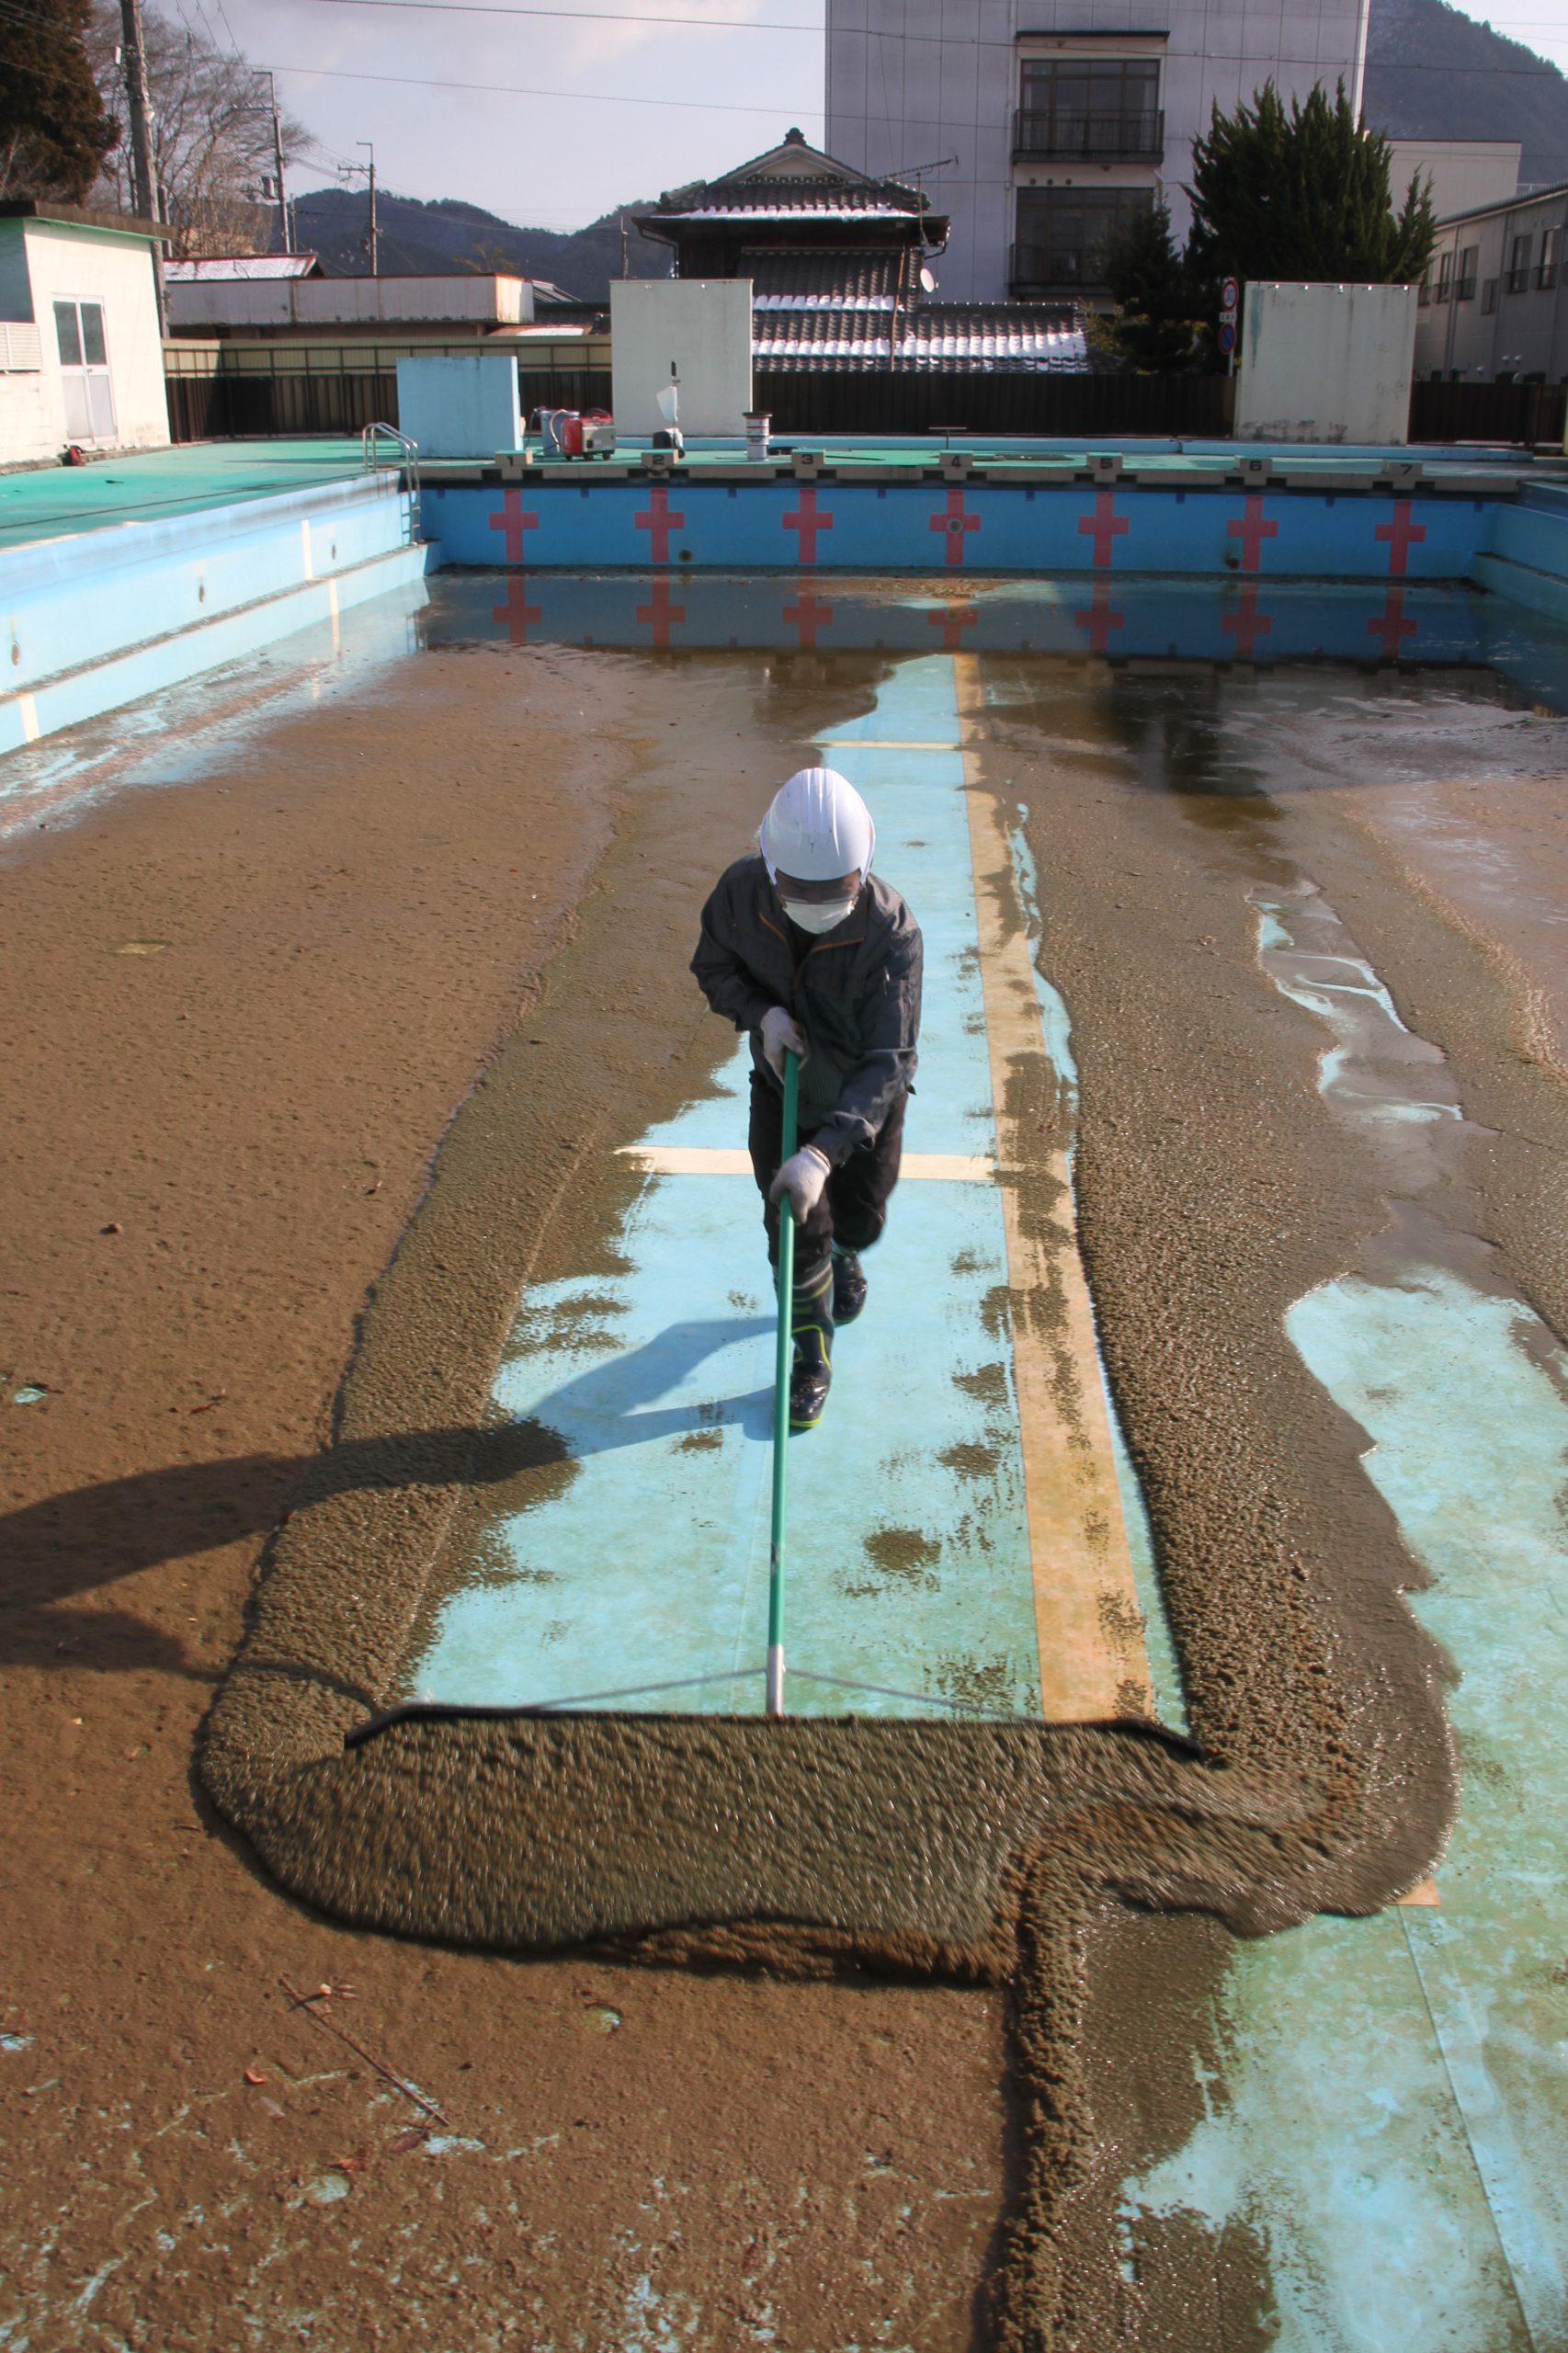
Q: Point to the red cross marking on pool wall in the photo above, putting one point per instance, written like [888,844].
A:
[1098,617]
[514,522]
[1391,624]
[1400,537]
[658,522]
[1252,530]
[659,612]
[804,518]
[517,612]
[1246,624]
[956,525]
[1103,525]
[807,614]
[952,621]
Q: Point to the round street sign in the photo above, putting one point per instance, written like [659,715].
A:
[1227,338]
[1230,293]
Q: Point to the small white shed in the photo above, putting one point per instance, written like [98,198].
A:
[81,354]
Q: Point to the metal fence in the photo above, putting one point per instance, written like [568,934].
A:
[1522,414]
[900,401]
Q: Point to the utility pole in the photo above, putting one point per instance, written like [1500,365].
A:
[145,196]
[623,244]
[375,270]
[284,241]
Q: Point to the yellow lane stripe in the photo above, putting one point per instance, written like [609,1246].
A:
[705,1160]
[1088,1623]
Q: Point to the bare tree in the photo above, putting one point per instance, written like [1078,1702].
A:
[211,135]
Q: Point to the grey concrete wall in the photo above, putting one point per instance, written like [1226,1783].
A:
[911,80]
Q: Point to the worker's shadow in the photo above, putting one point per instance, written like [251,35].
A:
[79,1542]
[615,1403]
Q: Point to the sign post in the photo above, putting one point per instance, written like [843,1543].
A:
[1230,303]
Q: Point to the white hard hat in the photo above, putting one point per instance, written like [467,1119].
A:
[817,828]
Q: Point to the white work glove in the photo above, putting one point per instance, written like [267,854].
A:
[802,1179]
[780,1031]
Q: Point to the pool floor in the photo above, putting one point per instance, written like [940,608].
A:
[1386,2123]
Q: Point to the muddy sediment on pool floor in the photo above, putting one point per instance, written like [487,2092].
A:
[1214,1189]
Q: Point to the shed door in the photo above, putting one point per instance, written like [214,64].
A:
[84,369]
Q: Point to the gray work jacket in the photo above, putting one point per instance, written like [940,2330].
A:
[855,991]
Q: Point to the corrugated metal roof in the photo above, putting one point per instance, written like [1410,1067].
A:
[229,269]
[785,278]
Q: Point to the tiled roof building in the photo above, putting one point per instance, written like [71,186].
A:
[841,276]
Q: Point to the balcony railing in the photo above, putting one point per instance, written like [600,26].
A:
[1517,280]
[1071,138]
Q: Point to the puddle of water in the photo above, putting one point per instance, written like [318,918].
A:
[1254,628]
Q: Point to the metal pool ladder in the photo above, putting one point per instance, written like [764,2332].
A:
[406,462]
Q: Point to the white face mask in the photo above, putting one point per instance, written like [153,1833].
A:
[819,915]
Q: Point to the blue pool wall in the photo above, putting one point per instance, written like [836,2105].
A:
[97,619]
[934,527]
[1350,529]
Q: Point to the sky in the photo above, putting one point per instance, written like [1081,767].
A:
[576,112]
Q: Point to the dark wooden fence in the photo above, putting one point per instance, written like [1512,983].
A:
[250,401]
[1525,413]
[900,401]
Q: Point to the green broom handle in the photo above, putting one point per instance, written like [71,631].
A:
[783,1365]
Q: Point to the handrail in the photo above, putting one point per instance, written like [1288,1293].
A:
[407,462]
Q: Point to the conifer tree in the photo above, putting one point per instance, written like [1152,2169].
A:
[1159,319]
[54,132]
[1303,194]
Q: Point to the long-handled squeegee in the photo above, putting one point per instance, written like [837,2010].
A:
[783,1364]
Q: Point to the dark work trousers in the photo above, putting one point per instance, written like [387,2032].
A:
[853,1209]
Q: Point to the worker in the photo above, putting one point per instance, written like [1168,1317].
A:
[814,955]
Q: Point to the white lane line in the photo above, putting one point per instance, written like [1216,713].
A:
[709,1160]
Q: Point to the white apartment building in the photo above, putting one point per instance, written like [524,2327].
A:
[1059,114]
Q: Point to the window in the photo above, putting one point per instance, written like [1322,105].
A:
[84,371]
[1489,297]
[1519,265]
[1464,278]
[1551,257]
[1423,294]
[1060,234]
[1078,107]
[1443,292]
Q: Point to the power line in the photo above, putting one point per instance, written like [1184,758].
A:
[868,33]
[518,90]
[592,16]
[22,15]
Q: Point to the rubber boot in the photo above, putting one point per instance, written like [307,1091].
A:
[810,1324]
[848,1285]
